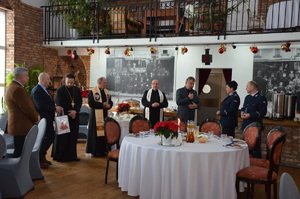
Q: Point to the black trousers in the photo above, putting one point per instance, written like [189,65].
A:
[48,139]
[18,144]
[230,131]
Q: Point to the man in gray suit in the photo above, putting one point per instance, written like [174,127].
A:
[187,100]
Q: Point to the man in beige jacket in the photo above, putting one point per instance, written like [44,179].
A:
[21,113]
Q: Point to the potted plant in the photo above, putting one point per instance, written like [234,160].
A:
[84,16]
[167,130]
[124,108]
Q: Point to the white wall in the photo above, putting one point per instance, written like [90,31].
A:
[240,60]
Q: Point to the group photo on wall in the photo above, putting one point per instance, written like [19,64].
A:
[130,76]
[277,71]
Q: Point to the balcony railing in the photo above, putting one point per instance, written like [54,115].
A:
[169,19]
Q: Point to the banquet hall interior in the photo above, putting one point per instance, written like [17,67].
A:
[214,41]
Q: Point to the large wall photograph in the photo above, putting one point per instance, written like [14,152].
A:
[277,71]
[130,76]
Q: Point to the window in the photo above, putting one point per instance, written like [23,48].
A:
[2,56]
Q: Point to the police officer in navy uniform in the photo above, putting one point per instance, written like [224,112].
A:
[253,110]
[229,109]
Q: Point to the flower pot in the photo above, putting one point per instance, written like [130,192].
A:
[166,141]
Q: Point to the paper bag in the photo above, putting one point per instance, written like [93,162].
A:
[62,124]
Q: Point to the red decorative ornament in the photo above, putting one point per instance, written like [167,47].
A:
[153,50]
[222,49]
[184,50]
[127,52]
[107,51]
[90,51]
[69,52]
[286,47]
[254,49]
[73,56]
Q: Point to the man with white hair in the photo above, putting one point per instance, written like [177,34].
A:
[45,106]
[21,113]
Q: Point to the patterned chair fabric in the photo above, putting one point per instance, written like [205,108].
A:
[250,135]
[112,133]
[139,123]
[272,136]
[264,175]
[211,124]
[182,125]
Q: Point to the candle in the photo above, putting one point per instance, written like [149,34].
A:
[178,122]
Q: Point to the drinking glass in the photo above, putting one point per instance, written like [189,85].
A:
[142,134]
[190,131]
[210,134]
[223,137]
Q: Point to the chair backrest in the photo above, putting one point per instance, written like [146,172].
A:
[250,135]
[211,124]
[182,124]
[3,121]
[275,140]
[112,131]
[139,123]
[85,109]
[28,145]
[41,132]
[2,147]
[288,188]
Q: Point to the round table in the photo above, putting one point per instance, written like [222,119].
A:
[192,170]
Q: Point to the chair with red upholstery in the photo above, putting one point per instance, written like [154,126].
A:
[112,133]
[272,136]
[250,135]
[211,124]
[182,124]
[139,123]
[260,175]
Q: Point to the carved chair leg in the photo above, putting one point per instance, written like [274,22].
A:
[275,189]
[252,190]
[237,187]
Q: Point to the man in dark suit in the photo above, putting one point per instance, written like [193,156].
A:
[21,113]
[254,109]
[187,100]
[45,106]
[229,109]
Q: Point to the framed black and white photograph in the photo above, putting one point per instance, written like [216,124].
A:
[130,76]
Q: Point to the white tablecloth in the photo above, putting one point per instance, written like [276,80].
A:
[192,170]
[124,124]
[283,15]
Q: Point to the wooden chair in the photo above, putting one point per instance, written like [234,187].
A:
[122,23]
[182,124]
[251,135]
[112,133]
[272,135]
[139,123]
[260,175]
[211,124]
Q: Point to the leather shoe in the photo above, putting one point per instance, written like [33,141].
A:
[44,165]
[77,159]
[44,160]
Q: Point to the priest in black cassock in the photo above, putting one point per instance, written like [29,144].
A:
[69,98]
[100,102]
[154,100]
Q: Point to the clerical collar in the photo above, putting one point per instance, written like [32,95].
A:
[18,82]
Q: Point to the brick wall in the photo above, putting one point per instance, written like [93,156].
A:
[25,44]
[291,150]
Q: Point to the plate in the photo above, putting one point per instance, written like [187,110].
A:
[133,135]
[234,146]
[239,141]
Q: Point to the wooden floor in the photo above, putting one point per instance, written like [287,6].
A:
[85,179]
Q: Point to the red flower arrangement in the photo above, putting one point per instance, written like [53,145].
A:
[123,107]
[167,129]
[69,52]
[85,93]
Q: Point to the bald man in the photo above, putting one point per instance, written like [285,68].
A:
[154,100]
[45,106]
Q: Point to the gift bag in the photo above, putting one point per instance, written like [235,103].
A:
[62,124]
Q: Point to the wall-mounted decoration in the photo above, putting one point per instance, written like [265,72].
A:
[130,76]
[279,73]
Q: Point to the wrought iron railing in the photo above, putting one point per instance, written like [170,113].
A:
[169,19]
